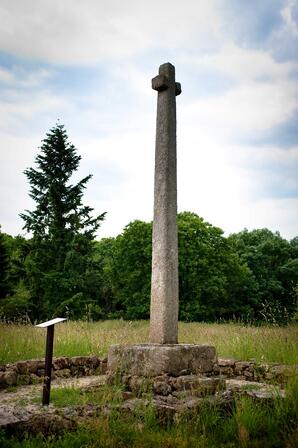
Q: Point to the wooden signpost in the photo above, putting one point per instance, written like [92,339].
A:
[49,357]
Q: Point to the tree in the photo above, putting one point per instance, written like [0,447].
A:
[213,282]
[4,286]
[274,264]
[130,270]
[62,227]
[101,277]
[15,296]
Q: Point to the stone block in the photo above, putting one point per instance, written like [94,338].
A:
[161,387]
[241,366]
[78,360]
[22,367]
[35,364]
[10,377]
[227,371]
[60,363]
[197,385]
[226,362]
[150,360]
[160,83]
[93,362]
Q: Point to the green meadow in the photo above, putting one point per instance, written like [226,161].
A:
[248,424]
[232,340]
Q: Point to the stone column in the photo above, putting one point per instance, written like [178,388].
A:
[164,283]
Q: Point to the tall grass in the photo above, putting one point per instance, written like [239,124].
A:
[265,343]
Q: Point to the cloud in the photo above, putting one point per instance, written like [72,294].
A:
[290,17]
[246,65]
[90,63]
[252,23]
[270,26]
[247,108]
[6,76]
[238,186]
[284,135]
[69,31]
[19,110]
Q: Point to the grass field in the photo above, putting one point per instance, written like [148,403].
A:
[264,343]
[249,424]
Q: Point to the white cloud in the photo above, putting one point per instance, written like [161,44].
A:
[68,31]
[254,106]
[19,110]
[287,16]
[245,64]
[6,76]
[216,179]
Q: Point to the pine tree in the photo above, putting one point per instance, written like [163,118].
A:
[62,227]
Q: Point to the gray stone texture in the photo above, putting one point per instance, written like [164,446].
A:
[32,371]
[150,360]
[164,282]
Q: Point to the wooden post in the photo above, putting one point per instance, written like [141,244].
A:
[49,357]
[48,366]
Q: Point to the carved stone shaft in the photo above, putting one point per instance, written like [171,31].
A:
[164,283]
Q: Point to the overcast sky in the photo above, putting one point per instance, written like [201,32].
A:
[90,63]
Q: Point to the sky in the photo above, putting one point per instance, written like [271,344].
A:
[90,63]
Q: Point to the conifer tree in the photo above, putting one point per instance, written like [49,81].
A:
[62,227]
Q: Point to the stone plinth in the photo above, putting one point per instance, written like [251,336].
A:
[150,360]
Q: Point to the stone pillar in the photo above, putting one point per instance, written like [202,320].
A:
[164,282]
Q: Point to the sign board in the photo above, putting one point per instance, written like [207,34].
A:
[51,322]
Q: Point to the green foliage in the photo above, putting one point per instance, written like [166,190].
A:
[100,280]
[16,302]
[131,270]
[17,305]
[4,287]
[63,229]
[251,276]
[219,278]
[59,212]
[213,282]
[273,262]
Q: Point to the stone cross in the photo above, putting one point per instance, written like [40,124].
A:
[164,281]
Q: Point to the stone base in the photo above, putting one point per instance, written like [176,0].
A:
[151,360]
[179,387]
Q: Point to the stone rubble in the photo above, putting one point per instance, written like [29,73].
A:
[254,371]
[170,397]
[32,371]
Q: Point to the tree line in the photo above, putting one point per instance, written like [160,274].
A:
[62,270]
